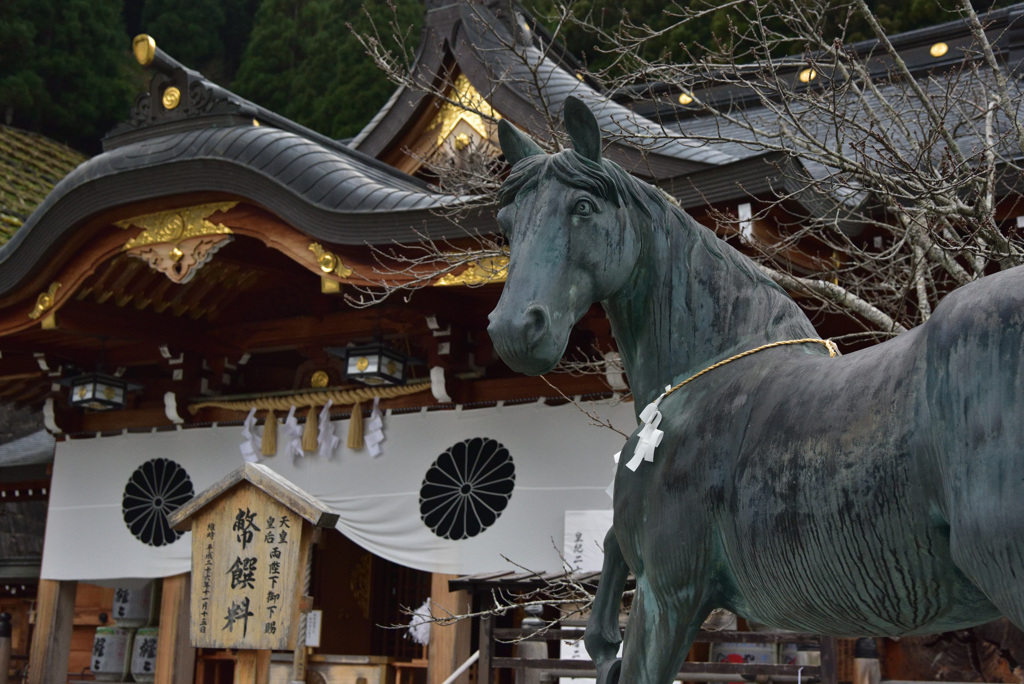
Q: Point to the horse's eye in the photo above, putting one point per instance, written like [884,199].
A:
[583,207]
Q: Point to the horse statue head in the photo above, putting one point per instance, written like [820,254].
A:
[570,225]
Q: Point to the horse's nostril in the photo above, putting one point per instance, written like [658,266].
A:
[535,325]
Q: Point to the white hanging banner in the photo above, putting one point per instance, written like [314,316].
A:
[583,545]
[453,492]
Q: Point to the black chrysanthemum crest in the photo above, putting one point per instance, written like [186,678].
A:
[467,488]
[156,489]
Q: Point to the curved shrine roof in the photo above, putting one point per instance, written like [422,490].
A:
[332,193]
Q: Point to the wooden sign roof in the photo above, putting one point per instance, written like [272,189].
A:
[277,487]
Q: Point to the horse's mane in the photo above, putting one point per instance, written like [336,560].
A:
[610,182]
[606,179]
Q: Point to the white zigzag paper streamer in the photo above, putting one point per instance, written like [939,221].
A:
[292,435]
[326,440]
[252,443]
[373,435]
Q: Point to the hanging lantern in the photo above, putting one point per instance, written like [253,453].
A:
[98,391]
[376,364]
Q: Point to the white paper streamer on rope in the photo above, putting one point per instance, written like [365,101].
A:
[611,485]
[251,442]
[292,435]
[326,440]
[650,436]
[374,432]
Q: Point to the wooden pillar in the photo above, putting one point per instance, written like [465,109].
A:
[829,660]
[175,657]
[252,667]
[245,667]
[449,646]
[5,646]
[51,641]
[486,651]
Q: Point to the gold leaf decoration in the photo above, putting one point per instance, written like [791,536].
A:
[329,261]
[176,225]
[480,272]
[178,242]
[471,108]
[45,301]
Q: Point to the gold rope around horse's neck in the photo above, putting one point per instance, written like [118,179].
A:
[833,351]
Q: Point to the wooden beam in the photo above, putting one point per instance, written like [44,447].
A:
[104,421]
[449,645]
[500,389]
[332,329]
[175,657]
[128,323]
[51,641]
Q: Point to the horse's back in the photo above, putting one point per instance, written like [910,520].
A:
[906,482]
[973,403]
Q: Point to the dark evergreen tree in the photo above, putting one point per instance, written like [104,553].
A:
[66,68]
[303,60]
[206,35]
[895,16]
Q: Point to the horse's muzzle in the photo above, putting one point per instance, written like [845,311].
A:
[524,341]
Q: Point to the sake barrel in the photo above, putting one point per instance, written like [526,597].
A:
[144,654]
[133,607]
[110,651]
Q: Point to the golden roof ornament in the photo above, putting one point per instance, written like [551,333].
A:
[178,242]
[329,261]
[45,301]
[466,105]
[492,269]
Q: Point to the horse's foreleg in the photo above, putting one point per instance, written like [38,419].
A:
[658,636]
[602,637]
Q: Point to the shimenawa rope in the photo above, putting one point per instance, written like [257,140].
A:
[650,436]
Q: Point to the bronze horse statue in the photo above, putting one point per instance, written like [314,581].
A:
[877,493]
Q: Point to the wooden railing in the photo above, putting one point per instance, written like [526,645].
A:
[689,671]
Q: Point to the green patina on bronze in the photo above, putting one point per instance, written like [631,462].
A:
[878,493]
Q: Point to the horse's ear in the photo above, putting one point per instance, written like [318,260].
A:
[515,144]
[583,130]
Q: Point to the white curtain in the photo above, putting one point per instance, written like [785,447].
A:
[561,461]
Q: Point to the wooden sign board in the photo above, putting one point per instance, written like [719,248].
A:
[251,539]
[248,579]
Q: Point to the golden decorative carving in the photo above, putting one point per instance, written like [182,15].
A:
[319,379]
[182,261]
[171,98]
[471,108]
[45,301]
[329,261]
[180,241]
[486,270]
[144,48]
[329,286]
[176,225]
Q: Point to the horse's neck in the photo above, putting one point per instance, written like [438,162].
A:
[693,301]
